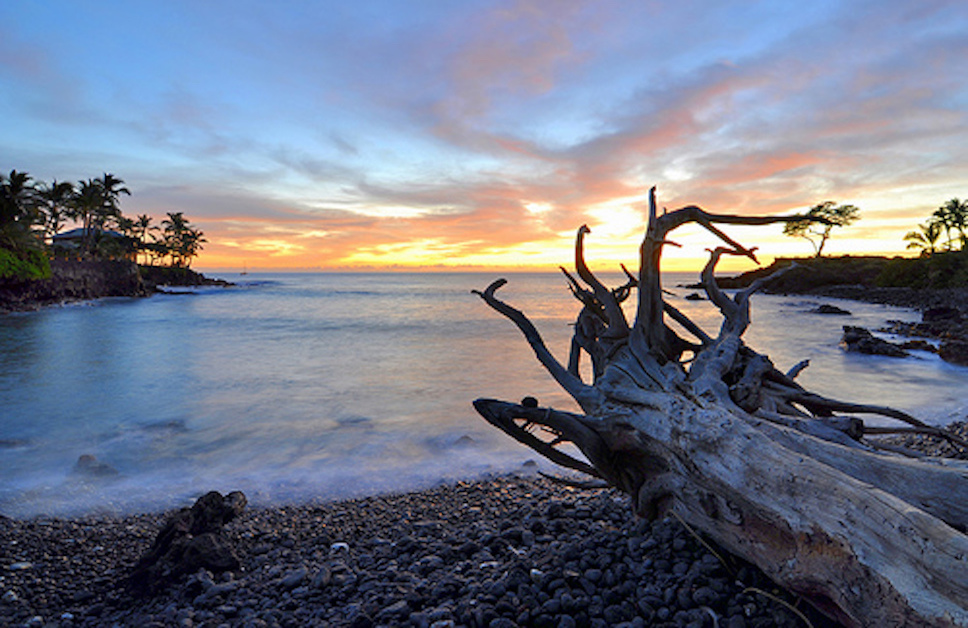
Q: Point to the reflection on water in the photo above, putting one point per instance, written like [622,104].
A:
[298,386]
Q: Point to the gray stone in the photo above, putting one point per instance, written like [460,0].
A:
[860,340]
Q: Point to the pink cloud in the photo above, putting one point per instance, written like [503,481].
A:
[21,60]
[516,48]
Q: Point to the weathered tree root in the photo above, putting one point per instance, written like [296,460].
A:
[711,430]
[191,539]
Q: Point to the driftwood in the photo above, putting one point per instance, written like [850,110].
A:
[712,430]
[191,539]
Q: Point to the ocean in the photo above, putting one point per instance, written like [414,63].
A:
[313,386]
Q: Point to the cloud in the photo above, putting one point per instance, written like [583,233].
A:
[513,49]
[368,132]
[21,60]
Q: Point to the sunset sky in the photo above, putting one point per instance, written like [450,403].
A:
[444,134]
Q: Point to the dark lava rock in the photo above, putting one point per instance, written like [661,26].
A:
[945,323]
[860,340]
[826,308]
[190,540]
[73,280]
[89,466]
[918,345]
[954,351]
[941,313]
[81,280]
[155,276]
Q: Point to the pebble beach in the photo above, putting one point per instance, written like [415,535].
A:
[508,551]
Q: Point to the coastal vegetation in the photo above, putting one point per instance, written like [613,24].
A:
[940,271]
[34,214]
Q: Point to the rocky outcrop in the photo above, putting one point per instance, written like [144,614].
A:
[155,276]
[954,351]
[814,275]
[828,309]
[860,340]
[82,280]
[74,280]
[945,323]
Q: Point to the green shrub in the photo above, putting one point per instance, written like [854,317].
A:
[940,270]
[31,264]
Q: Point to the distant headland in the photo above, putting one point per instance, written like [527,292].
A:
[939,279]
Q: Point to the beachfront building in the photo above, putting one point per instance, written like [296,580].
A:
[98,242]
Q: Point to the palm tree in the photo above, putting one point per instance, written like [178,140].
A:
[56,196]
[958,211]
[142,227]
[113,187]
[953,216]
[926,239]
[95,206]
[181,240]
[85,204]
[19,212]
[110,189]
[191,245]
[172,229]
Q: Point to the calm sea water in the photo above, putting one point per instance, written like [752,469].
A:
[292,387]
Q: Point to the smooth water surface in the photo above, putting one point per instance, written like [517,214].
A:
[293,387]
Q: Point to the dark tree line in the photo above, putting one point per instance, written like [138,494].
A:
[34,213]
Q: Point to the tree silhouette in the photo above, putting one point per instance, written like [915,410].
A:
[96,206]
[31,212]
[953,216]
[56,197]
[926,238]
[142,227]
[19,212]
[22,254]
[181,241]
[819,222]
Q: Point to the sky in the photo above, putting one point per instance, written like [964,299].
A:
[305,135]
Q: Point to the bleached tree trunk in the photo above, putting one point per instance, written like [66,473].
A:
[779,476]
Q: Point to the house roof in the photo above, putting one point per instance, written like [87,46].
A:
[80,232]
